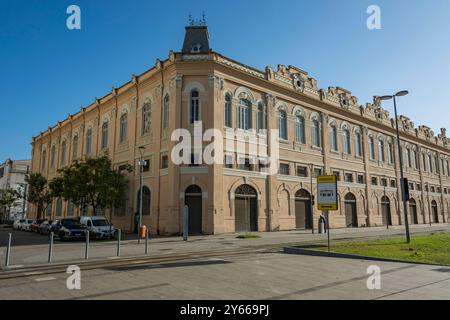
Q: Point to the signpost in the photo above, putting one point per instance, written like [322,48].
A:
[327,199]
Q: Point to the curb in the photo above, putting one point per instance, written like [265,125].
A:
[315,253]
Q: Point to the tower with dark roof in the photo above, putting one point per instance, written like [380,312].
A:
[196,39]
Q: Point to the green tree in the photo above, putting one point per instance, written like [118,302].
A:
[8,198]
[39,193]
[93,182]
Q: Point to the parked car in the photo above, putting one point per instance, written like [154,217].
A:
[99,227]
[45,226]
[25,226]
[34,227]
[18,224]
[69,229]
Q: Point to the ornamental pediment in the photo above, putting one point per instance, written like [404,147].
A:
[293,78]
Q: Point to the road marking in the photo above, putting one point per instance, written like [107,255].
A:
[45,279]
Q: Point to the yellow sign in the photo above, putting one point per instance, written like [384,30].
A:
[327,199]
[327,179]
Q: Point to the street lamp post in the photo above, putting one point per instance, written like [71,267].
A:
[311,197]
[429,203]
[141,185]
[400,158]
[384,193]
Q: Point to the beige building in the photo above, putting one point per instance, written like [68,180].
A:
[321,131]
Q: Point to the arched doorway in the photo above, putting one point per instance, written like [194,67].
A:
[434,211]
[245,209]
[146,200]
[386,211]
[413,212]
[351,216]
[303,218]
[193,199]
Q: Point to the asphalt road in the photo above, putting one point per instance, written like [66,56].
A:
[261,276]
[30,249]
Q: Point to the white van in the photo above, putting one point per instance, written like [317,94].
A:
[99,227]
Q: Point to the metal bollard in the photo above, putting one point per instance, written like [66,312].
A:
[86,253]
[146,241]
[50,248]
[119,236]
[8,250]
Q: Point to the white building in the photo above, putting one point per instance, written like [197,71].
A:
[12,175]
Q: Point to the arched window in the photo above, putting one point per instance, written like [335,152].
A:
[333,138]
[436,164]
[63,152]
[165,121]
[89,141]
[300,128]
[70,208]
[381,150]
[75,148]
[58,212]
[194,109]
[227,110]
[358,144]
[246,191]
[408,157]
[49,210]
[416,163]
[372,148]
[391,153]
[315,133]
[43,159]
[261,118]
[424,160]
[146,118]
[282,124]
[430,163]
[105,135]
[346,140]
[53,156]
[244,114]
[123,128]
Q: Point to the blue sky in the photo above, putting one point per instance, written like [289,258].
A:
[48,71]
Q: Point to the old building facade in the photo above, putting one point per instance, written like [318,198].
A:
[12,176]
[320,131]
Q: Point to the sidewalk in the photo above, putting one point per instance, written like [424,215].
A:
[74,251]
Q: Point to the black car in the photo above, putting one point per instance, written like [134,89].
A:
[68,229]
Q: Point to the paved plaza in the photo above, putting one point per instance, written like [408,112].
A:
[260,271]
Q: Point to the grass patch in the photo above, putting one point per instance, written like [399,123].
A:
[248,236]
[431,249]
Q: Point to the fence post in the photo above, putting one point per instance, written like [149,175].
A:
[50,248]
[8,250]
[119,236]
[146,241]
[86,253]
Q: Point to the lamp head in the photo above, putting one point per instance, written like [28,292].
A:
[384,98]
[401,93]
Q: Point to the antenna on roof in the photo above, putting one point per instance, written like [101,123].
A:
[197,22]
[203,21]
